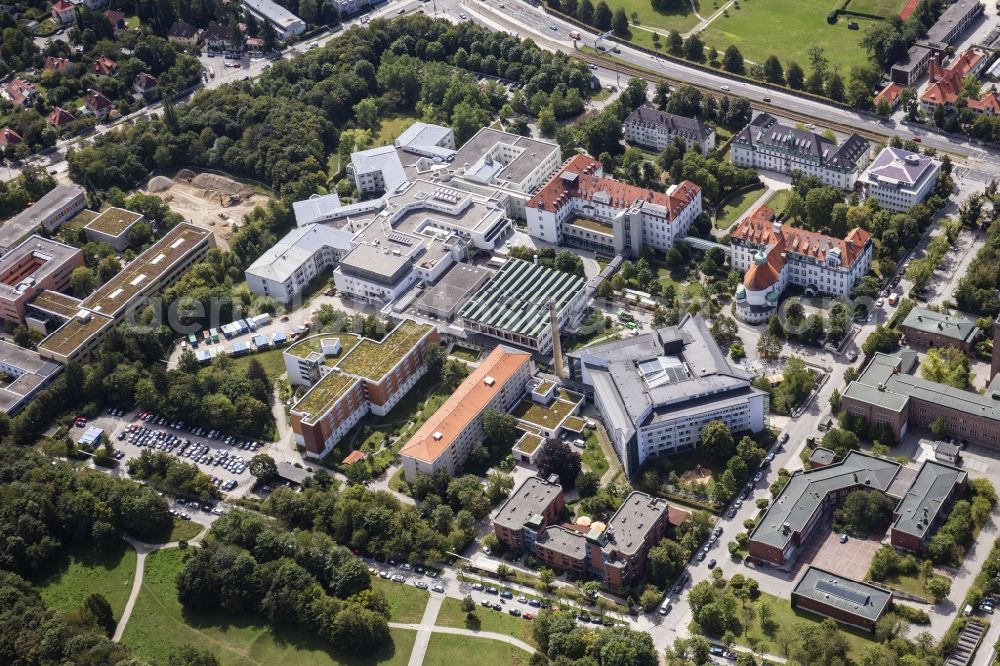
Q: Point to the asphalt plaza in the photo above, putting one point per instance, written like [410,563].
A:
[851,559]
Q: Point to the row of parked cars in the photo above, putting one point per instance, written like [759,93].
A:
[199,453]
[199,431]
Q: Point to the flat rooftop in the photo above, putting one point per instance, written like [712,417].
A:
[324,393]
[547,416]
[312,345]
[24,222]
[532,497]
[561,540]
[113,221]
[516,298]
[31,262]
[373,360]
[147,269]
[528,155]
[632,522]
[74,334]
[25,360]
[926,497]
[57,303]
[805,492]
[848,595]
[454,288]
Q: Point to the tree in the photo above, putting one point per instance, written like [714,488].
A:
[619,23]
[97,606]
[189,655]
[732,60]
[795,76]
[547,121]
[675,43]
[468,604]
[938,587]
[939,428]
[587,484]
[864,512]
[83,281]
[725,330]
[884,43]
[694,48]
[716,440]
[840,441]
[499,428]
[585,11]
[769,346]
[602,16]
[650,598]
[452,373]
[946,365]
[836,400]
[882,339]
[773,73]
[546,577]
[263,467]
[556,457]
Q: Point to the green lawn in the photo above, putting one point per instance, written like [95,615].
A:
[593,456]
[398,481]
[679,18]
[391,129]
[735,207]
[451,650]
[778,201]
[465,354]
[271,360]
[159,625]
[785,616]
[788,29]
[500,622]
[78,572]
[406,603]
[886,8]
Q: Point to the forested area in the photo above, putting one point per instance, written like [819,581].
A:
[977,289]
[560,638]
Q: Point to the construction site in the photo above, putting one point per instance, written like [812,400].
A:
[208,200]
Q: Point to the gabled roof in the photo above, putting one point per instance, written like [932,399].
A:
[58,64]
[952,326]
[114,17]
[104,66]
[890,94]
[670,122]
[60,117]
[765,130]
[845,594]
[145,81]
[759,228]
[927,497]
[182,30]
[95,101]
[20,91]
[61,6]
[9,137]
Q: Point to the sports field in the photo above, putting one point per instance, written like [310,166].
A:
[788,29]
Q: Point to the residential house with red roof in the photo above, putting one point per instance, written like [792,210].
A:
[891,94]
[9,137]
[60,117]
[946,82]
[582,207]
[62,65]
[63,12]
[774,255]
[20,92]
[104,66]
[97,104]
[116,19]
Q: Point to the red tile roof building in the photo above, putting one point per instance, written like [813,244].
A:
[63,12]
[891,94]
[58,64]
[115,18]
[144,84]
[9,137]
[104,66]
[580,206]
[946,83]
[774,255]
[97,104]
[60,117]
[20,92]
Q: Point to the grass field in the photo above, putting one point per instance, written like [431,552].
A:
[886,8]
[271,360]
[406,603]
[391,129]
[451,650]
[81,571]
[801,25]
[680,18]
[736,207]
[451,615]
[159,625]
[465,354]
[593,456]
[778,201]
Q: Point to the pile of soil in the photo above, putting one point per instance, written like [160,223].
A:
[210,181]
[185,174]
[159,184]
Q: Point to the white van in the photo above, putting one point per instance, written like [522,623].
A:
[665,608]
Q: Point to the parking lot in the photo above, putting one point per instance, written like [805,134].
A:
[224,458]
[851,559]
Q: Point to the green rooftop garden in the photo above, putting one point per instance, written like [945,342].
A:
[544,387]
[373,360]
[324,393]
[528,443]
[574,423]
[592,225]
[549,417]
[113,221]
[306,346]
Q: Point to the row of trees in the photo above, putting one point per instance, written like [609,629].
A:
[166,472]
[977,289]
[561,639]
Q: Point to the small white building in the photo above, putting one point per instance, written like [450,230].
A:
[285,23]
[898,179]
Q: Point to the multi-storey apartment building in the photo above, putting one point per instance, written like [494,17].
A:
[658,129]
[898,179]
[582,207]
[364,376]
[927,328]
[656,391]
[774,255]
[767,144]
[443,442]
[536,504]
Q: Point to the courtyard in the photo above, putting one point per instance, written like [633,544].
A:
[851,559]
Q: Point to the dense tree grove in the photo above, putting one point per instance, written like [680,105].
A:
[977,290]
[245,564]
[47,506]
[560,638]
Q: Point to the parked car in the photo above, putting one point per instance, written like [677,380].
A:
[843,538]
[711,564]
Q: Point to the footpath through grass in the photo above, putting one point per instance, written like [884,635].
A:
[500,622]
[452,650]
[159,625]
[79,572]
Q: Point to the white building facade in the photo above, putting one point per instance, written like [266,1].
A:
[899,179]
[657,129]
